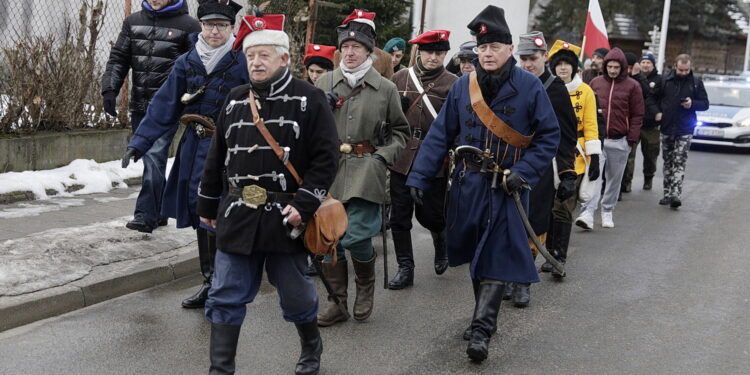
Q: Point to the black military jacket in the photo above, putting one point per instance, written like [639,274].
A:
[299,117]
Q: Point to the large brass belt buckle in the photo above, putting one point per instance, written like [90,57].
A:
[346,148]
[254,196]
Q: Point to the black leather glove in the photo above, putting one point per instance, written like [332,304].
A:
[333,99]
[594,168]
[130,153]
[514,182]
[416,195]
[567,187]
[110,103]
[380,158]
[405,103]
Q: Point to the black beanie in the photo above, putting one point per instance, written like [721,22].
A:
[564,55]
[601,52]
[490,26]
[631,58]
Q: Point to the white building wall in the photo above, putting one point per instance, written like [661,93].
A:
[454,15]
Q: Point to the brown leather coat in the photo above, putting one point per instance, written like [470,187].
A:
[438,82]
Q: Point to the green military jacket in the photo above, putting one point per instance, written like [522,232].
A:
[373,115]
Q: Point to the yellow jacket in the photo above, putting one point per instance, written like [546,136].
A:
[584,104]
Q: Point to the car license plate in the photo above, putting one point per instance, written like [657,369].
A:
[709,132]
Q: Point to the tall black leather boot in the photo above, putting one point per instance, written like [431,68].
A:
[521,294]
[484,323]
[206,254]
[441,251]
[551,245]
[405,258]
[312,348]
[475,286]
[563,240]
[223,348]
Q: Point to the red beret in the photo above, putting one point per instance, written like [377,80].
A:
[433,40]
[319,50]
[360,15]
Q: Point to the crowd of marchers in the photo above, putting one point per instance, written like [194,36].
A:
[495,150]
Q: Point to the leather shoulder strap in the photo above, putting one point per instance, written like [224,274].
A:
[490,120]
[258,121]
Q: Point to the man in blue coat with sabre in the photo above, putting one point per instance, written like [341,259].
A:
[506,131]
[198,85]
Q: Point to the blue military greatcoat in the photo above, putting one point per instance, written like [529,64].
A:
[164,112]
[484,226]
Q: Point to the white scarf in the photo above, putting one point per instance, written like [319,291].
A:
[355,75]
[210,56]
[574,83]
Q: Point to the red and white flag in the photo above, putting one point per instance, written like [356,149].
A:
[595,33]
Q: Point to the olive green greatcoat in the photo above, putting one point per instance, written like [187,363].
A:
[362,118]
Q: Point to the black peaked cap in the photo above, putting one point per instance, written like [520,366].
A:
[490,26]
[228,9]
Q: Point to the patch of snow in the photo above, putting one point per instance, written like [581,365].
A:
[94,177]
[115,199]
[57,257]
[34,209]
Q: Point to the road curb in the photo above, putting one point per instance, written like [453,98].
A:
[21,310]
[24,196]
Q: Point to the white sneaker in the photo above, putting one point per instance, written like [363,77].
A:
[585,220]
[607,220]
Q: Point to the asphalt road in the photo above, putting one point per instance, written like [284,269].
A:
[664,292]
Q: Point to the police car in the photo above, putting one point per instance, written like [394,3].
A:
[727,121]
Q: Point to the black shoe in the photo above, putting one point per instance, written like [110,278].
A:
[312,348]
[665,201]
[162,222]
[676,202]
[467,334]
[311,270]
[441,252]
[557,274]
[647,183]
[484,323]
[224,339]
[521,294]
[547,267]
[198,299]
[508,291]
[404,278]
[140,225]
[405,258]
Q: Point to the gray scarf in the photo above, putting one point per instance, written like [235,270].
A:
[353,76]
[210,57]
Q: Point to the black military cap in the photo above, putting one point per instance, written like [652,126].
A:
[218,9]
[490,26]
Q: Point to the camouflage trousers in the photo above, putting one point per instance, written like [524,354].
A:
[675,152]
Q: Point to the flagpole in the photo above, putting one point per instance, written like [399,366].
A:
[663,38]
[583,49]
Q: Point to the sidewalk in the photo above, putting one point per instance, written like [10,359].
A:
[62,254]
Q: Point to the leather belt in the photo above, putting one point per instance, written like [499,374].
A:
[358,148]
[257,196]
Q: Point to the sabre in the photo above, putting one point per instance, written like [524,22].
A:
[542,249]
[385,247]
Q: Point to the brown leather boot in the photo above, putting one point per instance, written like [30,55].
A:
[338,278]
[365,279]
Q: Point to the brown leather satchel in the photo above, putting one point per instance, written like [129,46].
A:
[329,222]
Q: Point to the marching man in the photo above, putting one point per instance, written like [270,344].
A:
[424,87]
[262,192]
[507,134]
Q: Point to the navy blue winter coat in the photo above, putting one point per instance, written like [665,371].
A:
[676,120]
[164,112]
[484,226]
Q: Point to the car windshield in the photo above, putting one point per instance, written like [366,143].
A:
[733,96]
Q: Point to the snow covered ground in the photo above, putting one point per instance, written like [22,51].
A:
[94,177]
[57,257]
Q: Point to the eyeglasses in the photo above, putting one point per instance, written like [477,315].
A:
[494,47]
[217,26]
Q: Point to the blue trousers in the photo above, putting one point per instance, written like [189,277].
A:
[237,279]
[148,204]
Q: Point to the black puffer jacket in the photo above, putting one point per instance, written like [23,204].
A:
[149,43]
